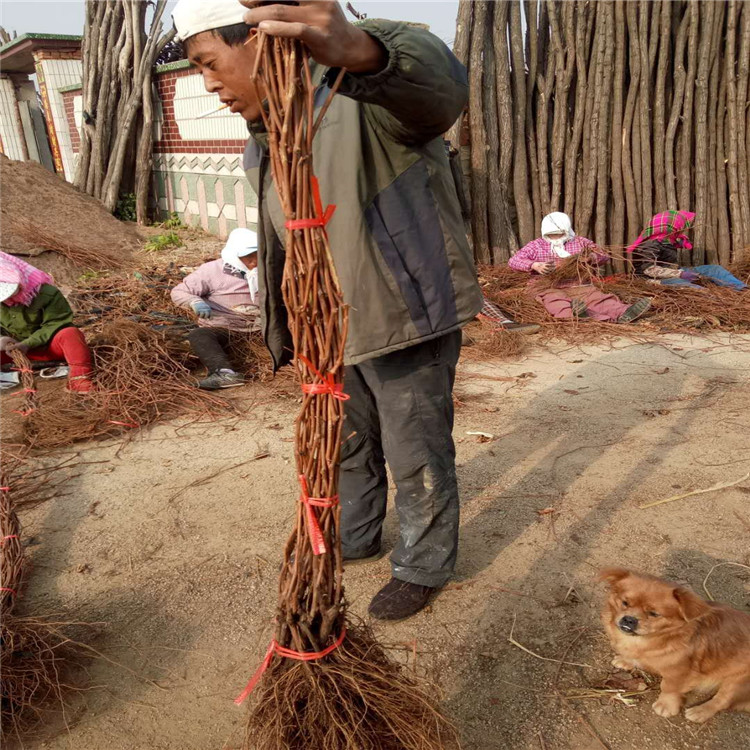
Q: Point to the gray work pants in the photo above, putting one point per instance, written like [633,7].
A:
[401,411]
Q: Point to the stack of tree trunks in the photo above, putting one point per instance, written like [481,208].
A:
[118,57]
[610,111]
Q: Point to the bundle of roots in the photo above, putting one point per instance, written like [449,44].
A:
[141,377]
[327,684]
[357,699]
[35,653]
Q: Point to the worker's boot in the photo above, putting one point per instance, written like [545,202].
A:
[398,600]
[221,379]
[635,310]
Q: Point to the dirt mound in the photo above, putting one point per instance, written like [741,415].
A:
[40,210]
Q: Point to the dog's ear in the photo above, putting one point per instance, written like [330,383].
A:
[690,604]
[613,575]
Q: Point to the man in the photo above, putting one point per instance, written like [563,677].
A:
[223,293]
[399,249]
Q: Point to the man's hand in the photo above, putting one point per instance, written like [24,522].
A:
[5,342]
[17,346]
[321,25]
[543,268]
[201,309]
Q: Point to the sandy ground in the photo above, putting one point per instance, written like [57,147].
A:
[173,540]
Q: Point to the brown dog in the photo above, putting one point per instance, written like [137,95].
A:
[662,628]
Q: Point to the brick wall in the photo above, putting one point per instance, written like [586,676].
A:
[69,98]
[198,162]
[170,139]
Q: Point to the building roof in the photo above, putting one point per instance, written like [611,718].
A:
[17,55]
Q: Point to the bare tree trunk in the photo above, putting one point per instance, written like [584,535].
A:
[660,186]
[605,117]
[701,131]
[685,144]
[118,57]
[478,135]
[631,196]
[565,52]
[461,51]
[504,94]
[617,227]
[585,201]
[743,105]
[524,209]
[579,111]
[644,101]
[680,78]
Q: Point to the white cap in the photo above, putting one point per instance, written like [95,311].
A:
[192,17]
[242,242]
[7,290]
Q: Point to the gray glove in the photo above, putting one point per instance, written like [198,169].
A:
[201,309]
[5,342]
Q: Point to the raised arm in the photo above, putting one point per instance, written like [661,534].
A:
[416,85]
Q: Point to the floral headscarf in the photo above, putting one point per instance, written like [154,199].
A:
[668,225]
[29,279]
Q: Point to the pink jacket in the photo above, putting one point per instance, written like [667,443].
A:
[225,289]
[540,251]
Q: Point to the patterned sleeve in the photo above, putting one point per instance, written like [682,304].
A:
[525,257]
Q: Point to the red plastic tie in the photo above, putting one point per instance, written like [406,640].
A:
[24,390]
[321,217]
[12,591]
[317,542]
[275,650]
[328,386]
[4,489]
[23,412]
[9,536]
[22,369]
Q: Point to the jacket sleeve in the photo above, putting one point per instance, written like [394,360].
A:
[600,257]
[191,289]
[56,314]
[524,258]
[421,91]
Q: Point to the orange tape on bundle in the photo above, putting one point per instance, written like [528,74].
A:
[321,217]
[329,384]
[317,542]
[275,650]
[9,536]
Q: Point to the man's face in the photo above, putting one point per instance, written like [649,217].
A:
[226,71]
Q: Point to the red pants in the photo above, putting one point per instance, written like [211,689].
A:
[599,306]
[68,344]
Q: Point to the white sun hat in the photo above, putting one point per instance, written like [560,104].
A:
[192,17]
[241,242]
[7,289]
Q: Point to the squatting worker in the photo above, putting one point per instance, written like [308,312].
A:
[36,320]
[400,251]
[223,294]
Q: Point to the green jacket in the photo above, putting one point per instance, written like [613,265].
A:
[37,323]
[397,237]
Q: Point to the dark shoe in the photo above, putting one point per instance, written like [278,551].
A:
[525,328]
[578,306]
[635,310]
[221,379]
[398,600]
